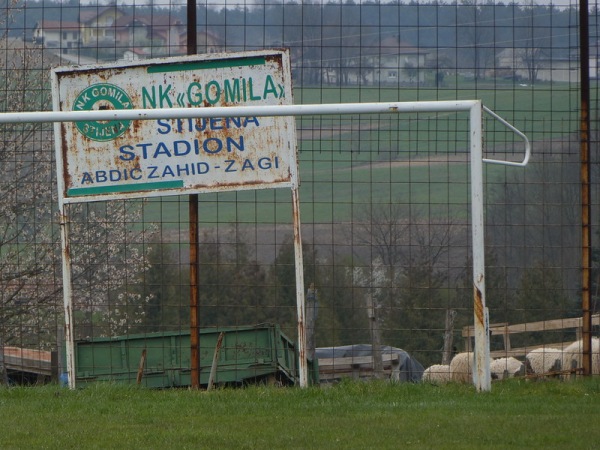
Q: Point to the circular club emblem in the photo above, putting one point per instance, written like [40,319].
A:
[97,97]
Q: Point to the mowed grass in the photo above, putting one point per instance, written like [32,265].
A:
[328,195]
[352,415]
[348,162]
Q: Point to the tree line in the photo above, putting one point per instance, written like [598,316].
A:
[464,37]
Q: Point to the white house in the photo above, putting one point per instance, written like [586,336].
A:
[398,62]
[527,63]
[55,34]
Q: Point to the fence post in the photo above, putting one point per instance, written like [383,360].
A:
[448,336]
[3,374]
[372,311]
[312,309]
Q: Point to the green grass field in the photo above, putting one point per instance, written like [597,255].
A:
[347,161]
[515,414]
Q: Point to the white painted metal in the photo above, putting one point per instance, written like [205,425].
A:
[482,377]
[67,297]
[239,111]
[481,370]
[117,159]
[300,299]
[66,271]
[527,155]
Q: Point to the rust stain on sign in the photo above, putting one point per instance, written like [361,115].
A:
[130,158]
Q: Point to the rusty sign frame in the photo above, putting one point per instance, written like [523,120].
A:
[89,167]
[119,159]
[475,108]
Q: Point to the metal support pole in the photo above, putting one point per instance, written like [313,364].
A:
[586,232]
[67,297]
[300,303]
[481,370]
[194,293]
[192,47]
[191,32]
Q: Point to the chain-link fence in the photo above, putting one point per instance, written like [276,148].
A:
[385,199]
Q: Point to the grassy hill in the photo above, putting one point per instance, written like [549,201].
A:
[348,161]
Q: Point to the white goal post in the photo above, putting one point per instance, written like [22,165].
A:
[475,108]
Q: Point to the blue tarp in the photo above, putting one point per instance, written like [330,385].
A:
[409,369]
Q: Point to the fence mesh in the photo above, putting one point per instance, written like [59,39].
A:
[385,199]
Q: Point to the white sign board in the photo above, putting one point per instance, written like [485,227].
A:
[101,160]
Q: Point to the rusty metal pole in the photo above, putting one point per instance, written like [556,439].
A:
[192,48]
[194,290]
[586,232]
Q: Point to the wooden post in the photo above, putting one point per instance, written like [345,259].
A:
[3,374]
[215,362]
[312,307]
[373,314]
[54,374]
[448,336]
[140,372]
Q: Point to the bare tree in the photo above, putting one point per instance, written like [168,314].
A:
[476,33]
[384,232]
[534,38]
[405,276]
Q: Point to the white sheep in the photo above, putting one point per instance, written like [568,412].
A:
[573,356]
[437,374]
[543,360]
[461,367]
[509,367]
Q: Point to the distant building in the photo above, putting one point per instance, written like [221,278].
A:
[158,34]
[54,34]
[111,32]
[594,60]
[134,54]
[98,26]
[531,65]
[397,62]
[386,62]
[208,42]
[401,61]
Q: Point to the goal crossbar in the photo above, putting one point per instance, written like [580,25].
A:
[475,108]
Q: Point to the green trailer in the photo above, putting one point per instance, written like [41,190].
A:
[247,354]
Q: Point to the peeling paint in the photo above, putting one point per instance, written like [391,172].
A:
[478,305]
[176,156]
